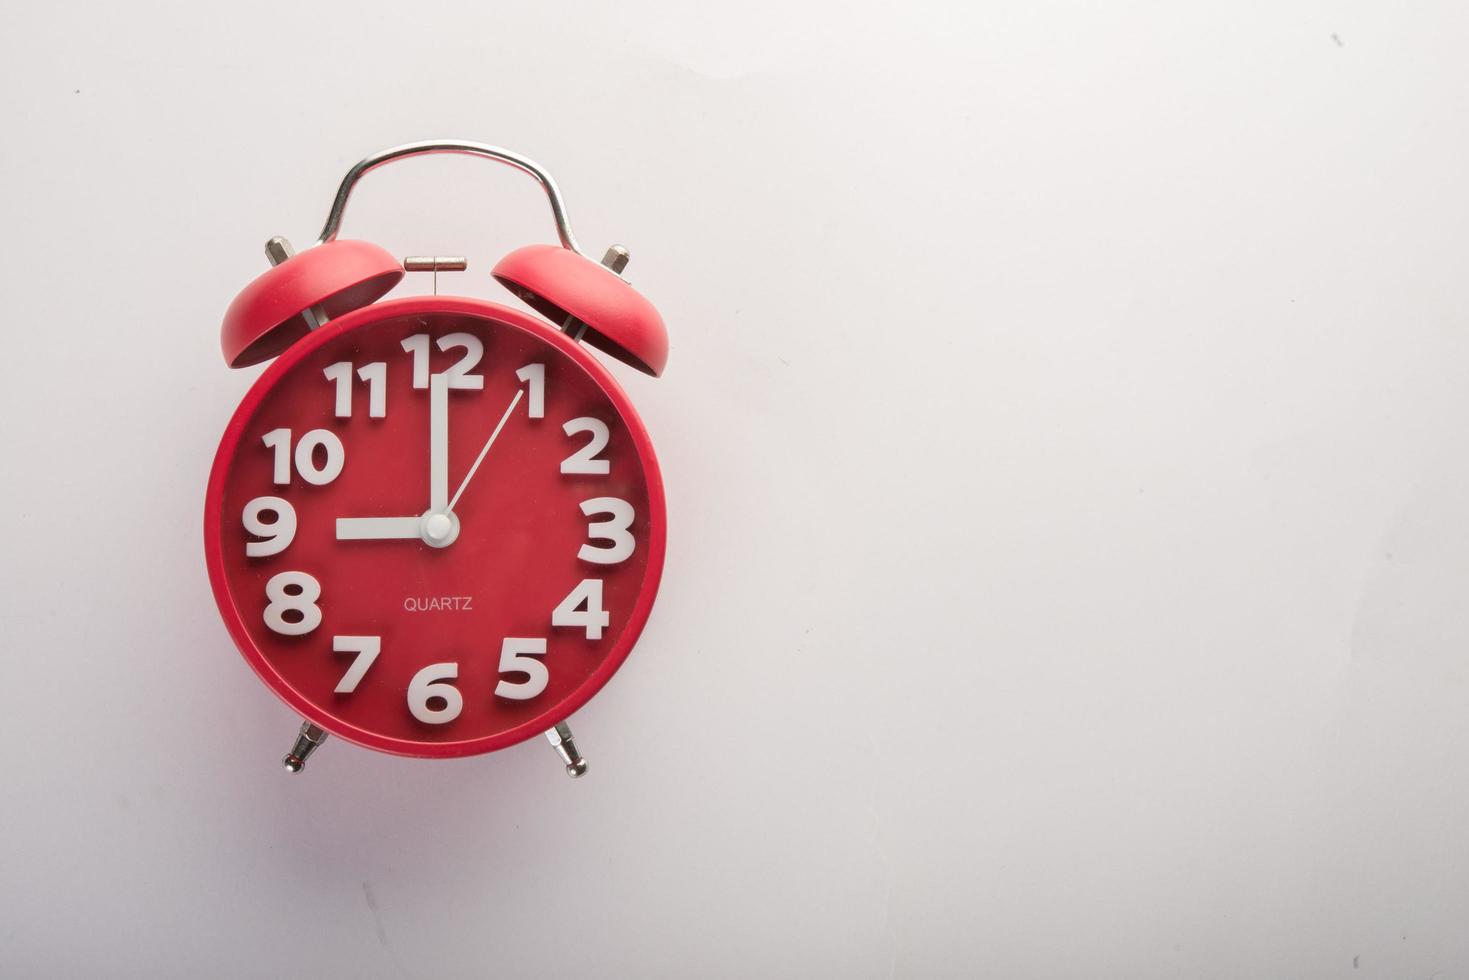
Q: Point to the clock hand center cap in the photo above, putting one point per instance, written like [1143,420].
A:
[439,528]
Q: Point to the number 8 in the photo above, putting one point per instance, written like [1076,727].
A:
[303,600]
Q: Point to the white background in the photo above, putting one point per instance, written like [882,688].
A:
[1069,510]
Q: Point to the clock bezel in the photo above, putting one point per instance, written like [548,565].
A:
[229,445]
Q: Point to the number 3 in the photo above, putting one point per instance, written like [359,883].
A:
[615,530]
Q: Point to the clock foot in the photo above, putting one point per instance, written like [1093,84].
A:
[306,743]
[561,740]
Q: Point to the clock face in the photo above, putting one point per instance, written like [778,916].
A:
[435,526]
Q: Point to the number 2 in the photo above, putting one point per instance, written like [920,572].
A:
[585,460]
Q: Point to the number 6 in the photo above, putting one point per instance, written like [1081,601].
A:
[433,682]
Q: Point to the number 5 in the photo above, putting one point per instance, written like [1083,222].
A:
[518,654]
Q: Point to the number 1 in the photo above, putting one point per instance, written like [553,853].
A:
[534,375]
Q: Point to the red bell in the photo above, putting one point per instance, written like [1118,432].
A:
[277,309]
[560,283]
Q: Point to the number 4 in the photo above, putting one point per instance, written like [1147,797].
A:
[593,618]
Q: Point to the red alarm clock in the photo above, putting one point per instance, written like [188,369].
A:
[435,525]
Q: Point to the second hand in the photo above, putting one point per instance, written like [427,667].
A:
[488,443]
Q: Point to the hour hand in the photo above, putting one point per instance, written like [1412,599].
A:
[434,528]
[377,528]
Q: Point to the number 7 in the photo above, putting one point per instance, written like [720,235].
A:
[367,648]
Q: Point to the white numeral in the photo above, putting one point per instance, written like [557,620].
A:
[534,375]
[432,683]
[376,376]
[473,351]
[417,345]
[280,441]
[519,654]
[614,530]
[593,619]
[306,457]
[584,460]
[281,530]
[458,375]
[341,373]
[293,592]
[367,648]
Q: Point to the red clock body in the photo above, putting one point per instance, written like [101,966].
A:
[435,526]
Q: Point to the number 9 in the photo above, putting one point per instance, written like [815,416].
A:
[281,531]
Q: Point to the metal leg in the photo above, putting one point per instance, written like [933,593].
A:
[306,743]
[561,741]
[277,250]
[616,258]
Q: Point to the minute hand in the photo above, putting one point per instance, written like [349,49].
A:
[438,444]
[488,443]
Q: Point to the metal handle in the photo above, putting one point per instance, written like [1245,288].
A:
[524,165]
